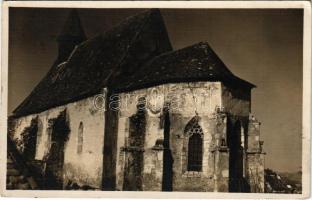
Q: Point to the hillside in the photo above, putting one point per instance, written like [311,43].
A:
[287,182]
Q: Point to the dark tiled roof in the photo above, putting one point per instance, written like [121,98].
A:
[95,62]
[194,63]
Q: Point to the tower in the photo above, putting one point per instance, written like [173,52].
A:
[71,35]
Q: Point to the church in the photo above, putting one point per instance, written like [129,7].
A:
[123,111]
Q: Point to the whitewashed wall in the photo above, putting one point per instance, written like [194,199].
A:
[84,168]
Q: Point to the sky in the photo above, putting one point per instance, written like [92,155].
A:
[261,46]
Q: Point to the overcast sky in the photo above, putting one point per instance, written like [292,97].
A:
[263,47]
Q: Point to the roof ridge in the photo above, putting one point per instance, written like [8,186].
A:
[182,49]
[102,33]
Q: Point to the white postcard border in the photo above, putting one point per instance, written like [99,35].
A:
[306,116]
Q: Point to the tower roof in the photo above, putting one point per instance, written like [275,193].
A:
[72,27]
[94,64]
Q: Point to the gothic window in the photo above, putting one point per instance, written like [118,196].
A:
[80,138]
[195,148]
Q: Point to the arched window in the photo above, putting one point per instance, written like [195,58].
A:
[195,148]
[80,138]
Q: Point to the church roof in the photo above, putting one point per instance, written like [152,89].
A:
[133,55]
[95,62]
[194,63]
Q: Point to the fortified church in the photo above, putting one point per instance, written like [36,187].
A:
[171,120]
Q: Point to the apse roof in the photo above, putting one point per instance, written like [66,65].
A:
[197,62]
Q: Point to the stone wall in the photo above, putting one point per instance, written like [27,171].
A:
[85,168]
[147,139]
[255,172]
[151,172]
[255,157]
[81,168]
[185,101]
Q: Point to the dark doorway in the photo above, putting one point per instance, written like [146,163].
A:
[55,157]
[167,159]
[236,180]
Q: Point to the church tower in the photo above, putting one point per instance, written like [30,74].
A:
[71,35]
